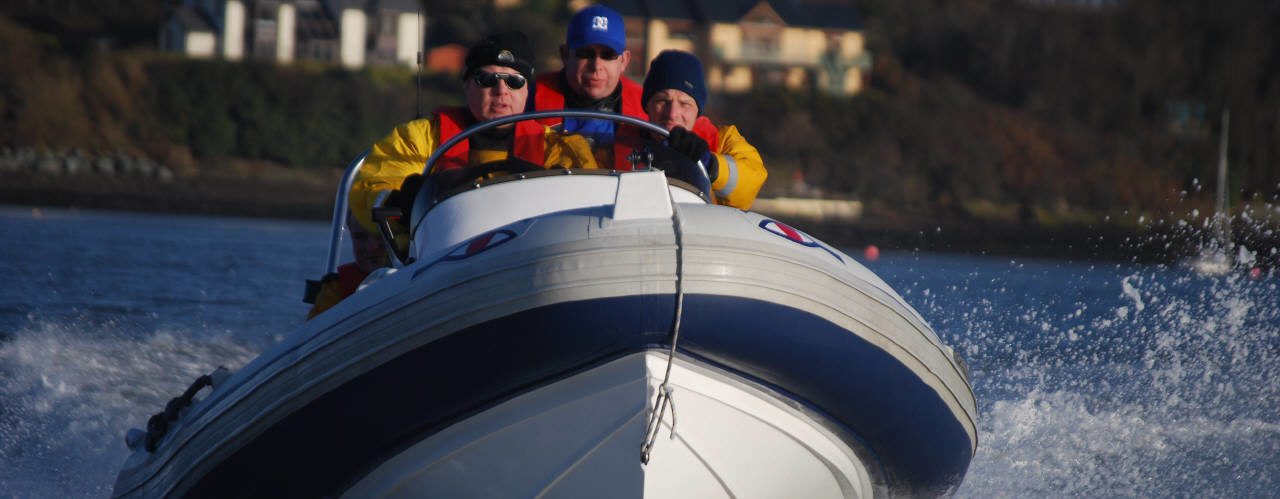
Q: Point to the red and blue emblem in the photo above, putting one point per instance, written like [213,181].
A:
[473,247]
[480,244]
[795,236]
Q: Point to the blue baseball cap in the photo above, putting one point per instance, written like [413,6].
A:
[597,25]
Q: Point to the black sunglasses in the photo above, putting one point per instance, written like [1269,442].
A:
[589,53]
[486,79]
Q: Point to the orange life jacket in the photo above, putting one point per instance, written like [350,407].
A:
[528,144]
[549,96]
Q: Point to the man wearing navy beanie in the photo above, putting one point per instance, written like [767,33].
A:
[675,98]
[677,70]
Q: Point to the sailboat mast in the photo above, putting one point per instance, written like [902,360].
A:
[1215,254]
[1221,208]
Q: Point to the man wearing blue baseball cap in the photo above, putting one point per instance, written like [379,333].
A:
[595,55]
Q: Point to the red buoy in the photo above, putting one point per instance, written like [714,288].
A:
[872,253]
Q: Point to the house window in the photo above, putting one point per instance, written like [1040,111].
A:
[685,36]
[760,46]
[761,37]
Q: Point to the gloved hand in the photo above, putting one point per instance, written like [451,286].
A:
[669,160]
[404,196]
[688,144]
[678,166]
[694,148]
[396,211]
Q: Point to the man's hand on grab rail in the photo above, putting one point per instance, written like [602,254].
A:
[694,148]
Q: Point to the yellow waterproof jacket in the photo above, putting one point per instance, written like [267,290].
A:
[742,170]
[405,151]
[336,287]
[329,296]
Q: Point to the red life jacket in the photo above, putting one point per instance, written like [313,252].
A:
[708,132]
[529,142]
[549,96]
[349,278]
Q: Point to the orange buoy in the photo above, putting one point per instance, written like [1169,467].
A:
[872,253]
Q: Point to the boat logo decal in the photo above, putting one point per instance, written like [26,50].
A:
[480,244]
[795,236]
[473,247]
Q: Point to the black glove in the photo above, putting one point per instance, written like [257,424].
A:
[669,160]
[394,215]
[677,165]
[688,144]
[693,147]
[404,196]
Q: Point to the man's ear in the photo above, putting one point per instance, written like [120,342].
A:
[564,54]
[626,59]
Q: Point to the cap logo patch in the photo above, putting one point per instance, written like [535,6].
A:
[505,56]
[600,23]
[689,85]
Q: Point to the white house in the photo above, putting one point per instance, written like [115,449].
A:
[799,44]
[353,33]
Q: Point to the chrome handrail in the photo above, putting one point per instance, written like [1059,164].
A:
[340,204]
[341,201]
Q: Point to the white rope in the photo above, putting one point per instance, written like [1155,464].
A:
[665,391]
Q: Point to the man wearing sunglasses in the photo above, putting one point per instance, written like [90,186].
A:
[595,55]
[675,96]
[496,84]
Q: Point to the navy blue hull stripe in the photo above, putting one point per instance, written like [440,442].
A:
[322,448]
[921,446]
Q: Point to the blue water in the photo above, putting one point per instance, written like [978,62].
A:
[1092,379]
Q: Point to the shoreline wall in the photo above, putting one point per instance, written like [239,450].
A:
[844,224]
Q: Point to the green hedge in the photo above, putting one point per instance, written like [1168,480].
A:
[297,116]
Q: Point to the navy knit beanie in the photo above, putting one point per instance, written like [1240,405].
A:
[679,70]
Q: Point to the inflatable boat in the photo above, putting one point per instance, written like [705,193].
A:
[581,333]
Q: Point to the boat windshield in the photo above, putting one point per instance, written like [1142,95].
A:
[540,147]
[537,144]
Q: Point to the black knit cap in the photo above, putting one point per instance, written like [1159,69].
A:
[507,48]
[674,69]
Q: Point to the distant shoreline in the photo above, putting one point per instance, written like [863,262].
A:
[227,195]
[310,197]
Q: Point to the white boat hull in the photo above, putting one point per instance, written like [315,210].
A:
[522,360]
[579,437]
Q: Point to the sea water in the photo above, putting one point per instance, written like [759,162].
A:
[1105,380]
[1092,379]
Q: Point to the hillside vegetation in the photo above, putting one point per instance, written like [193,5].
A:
[1012,110]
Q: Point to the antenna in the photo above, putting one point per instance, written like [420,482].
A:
[417,77]
[1222,161]
[1222,211]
